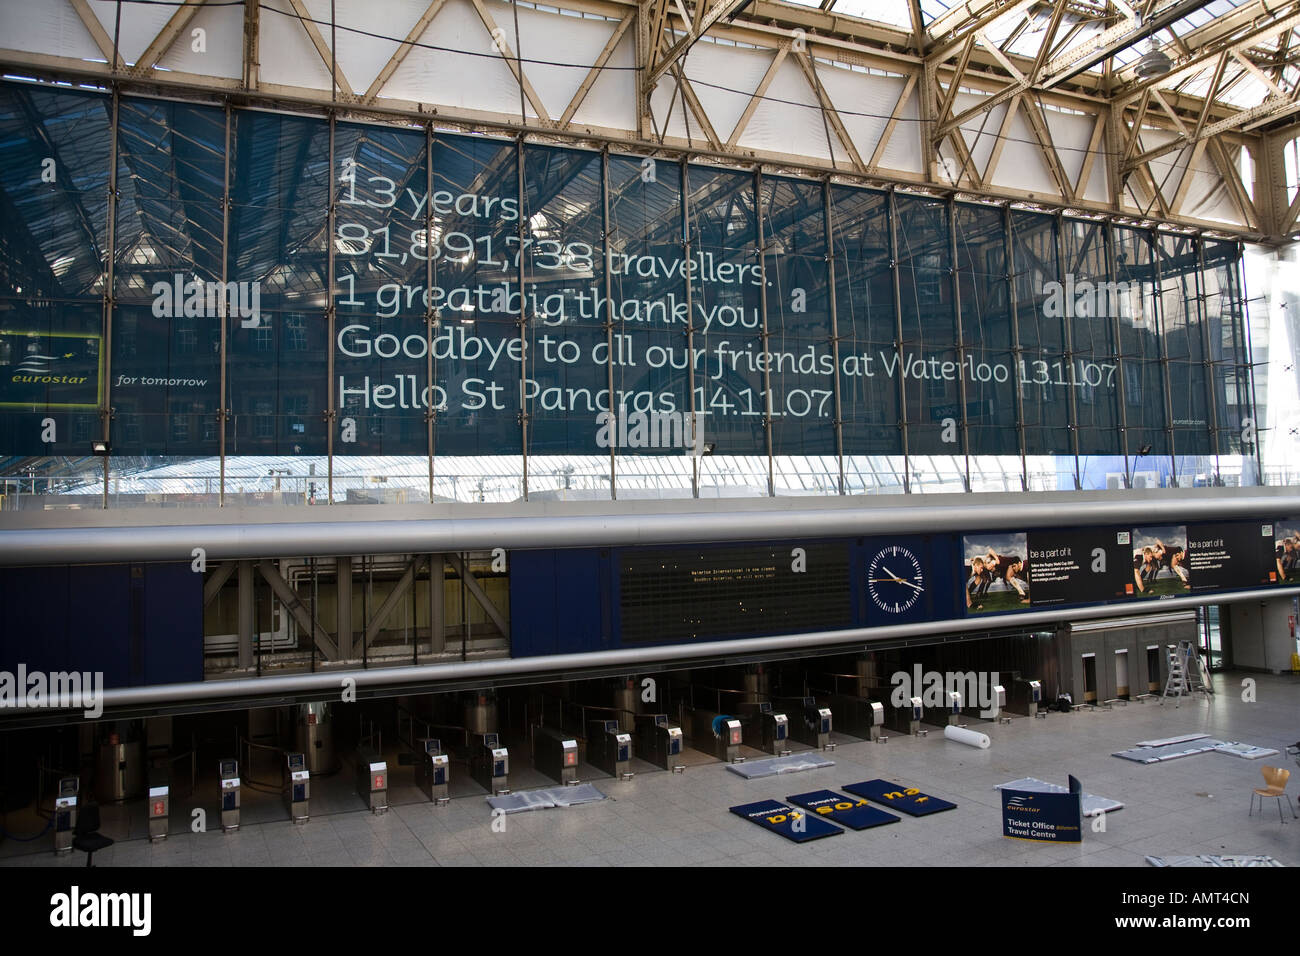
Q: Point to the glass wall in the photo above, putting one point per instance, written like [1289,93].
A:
[256,307]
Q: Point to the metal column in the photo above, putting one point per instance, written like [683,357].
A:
[1212,408]
[1117,336]
[223,413]
[331,412]
[110,296]
[1067,332]
[247,614]
[961,339]
[690,320]
[764,335]
[437,605]
[835,329]
[430,322]
[1017,351]
[892,215]
[609,322]
[523,300]
[1159,317]
[343,606]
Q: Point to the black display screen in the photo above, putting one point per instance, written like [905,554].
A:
[694,593]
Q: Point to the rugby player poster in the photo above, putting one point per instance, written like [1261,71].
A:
[1284,563]
[1160,566]
[1229,555]
[995,572]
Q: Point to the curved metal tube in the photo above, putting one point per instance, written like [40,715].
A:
[331,684]
[575,527]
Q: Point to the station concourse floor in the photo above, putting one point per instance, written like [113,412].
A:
[1189,806]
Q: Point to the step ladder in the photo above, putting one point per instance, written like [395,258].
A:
[1187,672]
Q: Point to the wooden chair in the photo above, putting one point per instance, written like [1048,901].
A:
[1275,779]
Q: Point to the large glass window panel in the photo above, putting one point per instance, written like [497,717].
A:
[277,390]
[568,444]
[53,248]
[1037,277]
[982,276]
[867,323]
[649,304]
[726,294]
[800,343]
[167,325]
[382,336]
[1140,346]
[928,359]
[1139,319]
[1180,305]
[477,250]
[925,273]
[1191,418]
[1042,307]
[991,401]
[989,366]
[1225,307]
[1092,372]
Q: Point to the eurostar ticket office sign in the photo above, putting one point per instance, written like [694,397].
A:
[1043,817]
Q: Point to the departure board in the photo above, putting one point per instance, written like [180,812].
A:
[696,593]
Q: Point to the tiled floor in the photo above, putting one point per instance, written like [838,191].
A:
[1193,805]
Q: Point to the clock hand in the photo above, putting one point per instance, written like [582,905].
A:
[898,580]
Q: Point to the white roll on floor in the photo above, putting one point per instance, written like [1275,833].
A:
[970,738]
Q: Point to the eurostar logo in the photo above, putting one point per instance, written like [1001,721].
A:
[50,369]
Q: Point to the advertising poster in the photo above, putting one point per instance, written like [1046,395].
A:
[49,370]
[1284,563]
[1159,562]
[995,572]
[1078,565]
[1229,555]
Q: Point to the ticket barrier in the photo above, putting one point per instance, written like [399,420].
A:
[159,805]
[950,714]
[814,729]
[718,734]
[953,700]
[997,704]
[906,718]
[856,716]
[609,748]
[555,754]
[659,741]
[65,814]
[432,771]
[229,771]
[1026,698]
[489,763]
[298,796]
[773,730]
[910,716]
[372,779]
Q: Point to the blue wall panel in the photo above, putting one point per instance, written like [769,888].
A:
[173,624]
[562,607]
[34,618]
[99,599]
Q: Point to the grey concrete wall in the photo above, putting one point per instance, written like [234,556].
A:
[1261,635]
[1104,645]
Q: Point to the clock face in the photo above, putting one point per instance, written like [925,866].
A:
[894,579]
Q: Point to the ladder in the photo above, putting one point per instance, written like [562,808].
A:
[1187,672]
